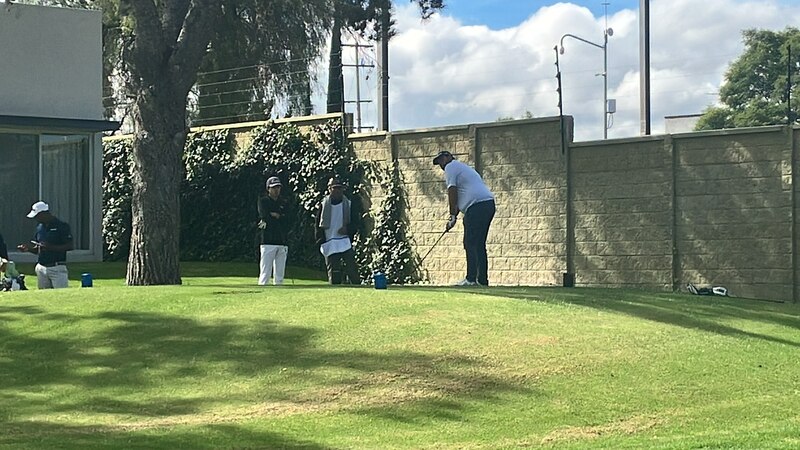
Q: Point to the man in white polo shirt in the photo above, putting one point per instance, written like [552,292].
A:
[467,193]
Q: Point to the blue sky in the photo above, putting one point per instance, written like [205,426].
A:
[480,60]
[497,14]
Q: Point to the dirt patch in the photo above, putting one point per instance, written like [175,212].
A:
[628,426]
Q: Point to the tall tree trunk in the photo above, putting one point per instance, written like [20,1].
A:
[170,41]
[158,169]
[335,76]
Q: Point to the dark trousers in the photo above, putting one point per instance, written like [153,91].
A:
[477,220]
[335,271]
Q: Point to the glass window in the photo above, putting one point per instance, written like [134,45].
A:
[65,182]
[52,168]
[19,186]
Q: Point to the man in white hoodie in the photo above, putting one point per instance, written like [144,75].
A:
[337,222]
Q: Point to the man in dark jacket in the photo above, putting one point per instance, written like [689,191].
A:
[273,228]
[337,221]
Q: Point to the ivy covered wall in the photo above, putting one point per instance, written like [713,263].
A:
[225,174]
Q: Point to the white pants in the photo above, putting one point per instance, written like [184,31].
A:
[272,257]
[51,277]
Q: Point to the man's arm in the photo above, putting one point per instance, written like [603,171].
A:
[263,213]
[452,199]
[319,233]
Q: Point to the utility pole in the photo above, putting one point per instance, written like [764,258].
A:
[568,277]
[644,67]
[383,57]
[789,118]
[358,65]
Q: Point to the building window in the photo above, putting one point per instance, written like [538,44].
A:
[52,168]
[65,182]
[19,185]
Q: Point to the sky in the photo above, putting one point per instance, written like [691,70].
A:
[479,60]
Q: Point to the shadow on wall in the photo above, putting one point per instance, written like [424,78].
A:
[732,213]
[622,195]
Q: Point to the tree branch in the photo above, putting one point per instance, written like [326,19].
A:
[192,44]
[148,46]
[174,15]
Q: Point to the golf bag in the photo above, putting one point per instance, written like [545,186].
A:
[714,290]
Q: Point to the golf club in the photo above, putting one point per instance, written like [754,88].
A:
[432,247]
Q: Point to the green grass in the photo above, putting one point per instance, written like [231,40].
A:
[222,363]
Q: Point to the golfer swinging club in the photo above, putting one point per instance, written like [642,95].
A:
[466,192]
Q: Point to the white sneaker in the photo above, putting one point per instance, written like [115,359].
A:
[466,282]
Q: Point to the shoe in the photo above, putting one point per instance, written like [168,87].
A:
[466,282]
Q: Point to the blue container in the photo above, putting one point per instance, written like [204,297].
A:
[380,280]
[86,280]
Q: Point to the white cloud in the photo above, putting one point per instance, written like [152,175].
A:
[445,73]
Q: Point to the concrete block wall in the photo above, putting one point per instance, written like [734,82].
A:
[522,164]
[622,204]
[734,211]
[653,212]
[794,178]
[427,196]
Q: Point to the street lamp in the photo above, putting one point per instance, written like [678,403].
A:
[606,34]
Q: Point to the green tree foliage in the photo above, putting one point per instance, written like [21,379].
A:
[259,56]
[756,84]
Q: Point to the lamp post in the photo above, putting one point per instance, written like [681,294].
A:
[606,34]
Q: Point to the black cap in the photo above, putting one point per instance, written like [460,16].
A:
[335,182]
[441,153]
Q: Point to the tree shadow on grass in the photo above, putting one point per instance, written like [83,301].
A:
[49,435]
[132,375]
[692,312]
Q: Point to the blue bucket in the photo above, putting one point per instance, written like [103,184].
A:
[86,280]
[380,280]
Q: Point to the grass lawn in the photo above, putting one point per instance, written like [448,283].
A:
[222,363]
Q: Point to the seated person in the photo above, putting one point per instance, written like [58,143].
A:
[10,278]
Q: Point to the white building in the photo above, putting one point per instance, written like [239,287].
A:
[51,119]
[681,124]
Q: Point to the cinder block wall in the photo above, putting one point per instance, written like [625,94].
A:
[711,208]
[653,212]
[734,211]
[521,162]
[427,198]
[794,178]
[622,202]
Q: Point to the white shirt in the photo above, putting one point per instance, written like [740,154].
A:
[470,186]
[335,242]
